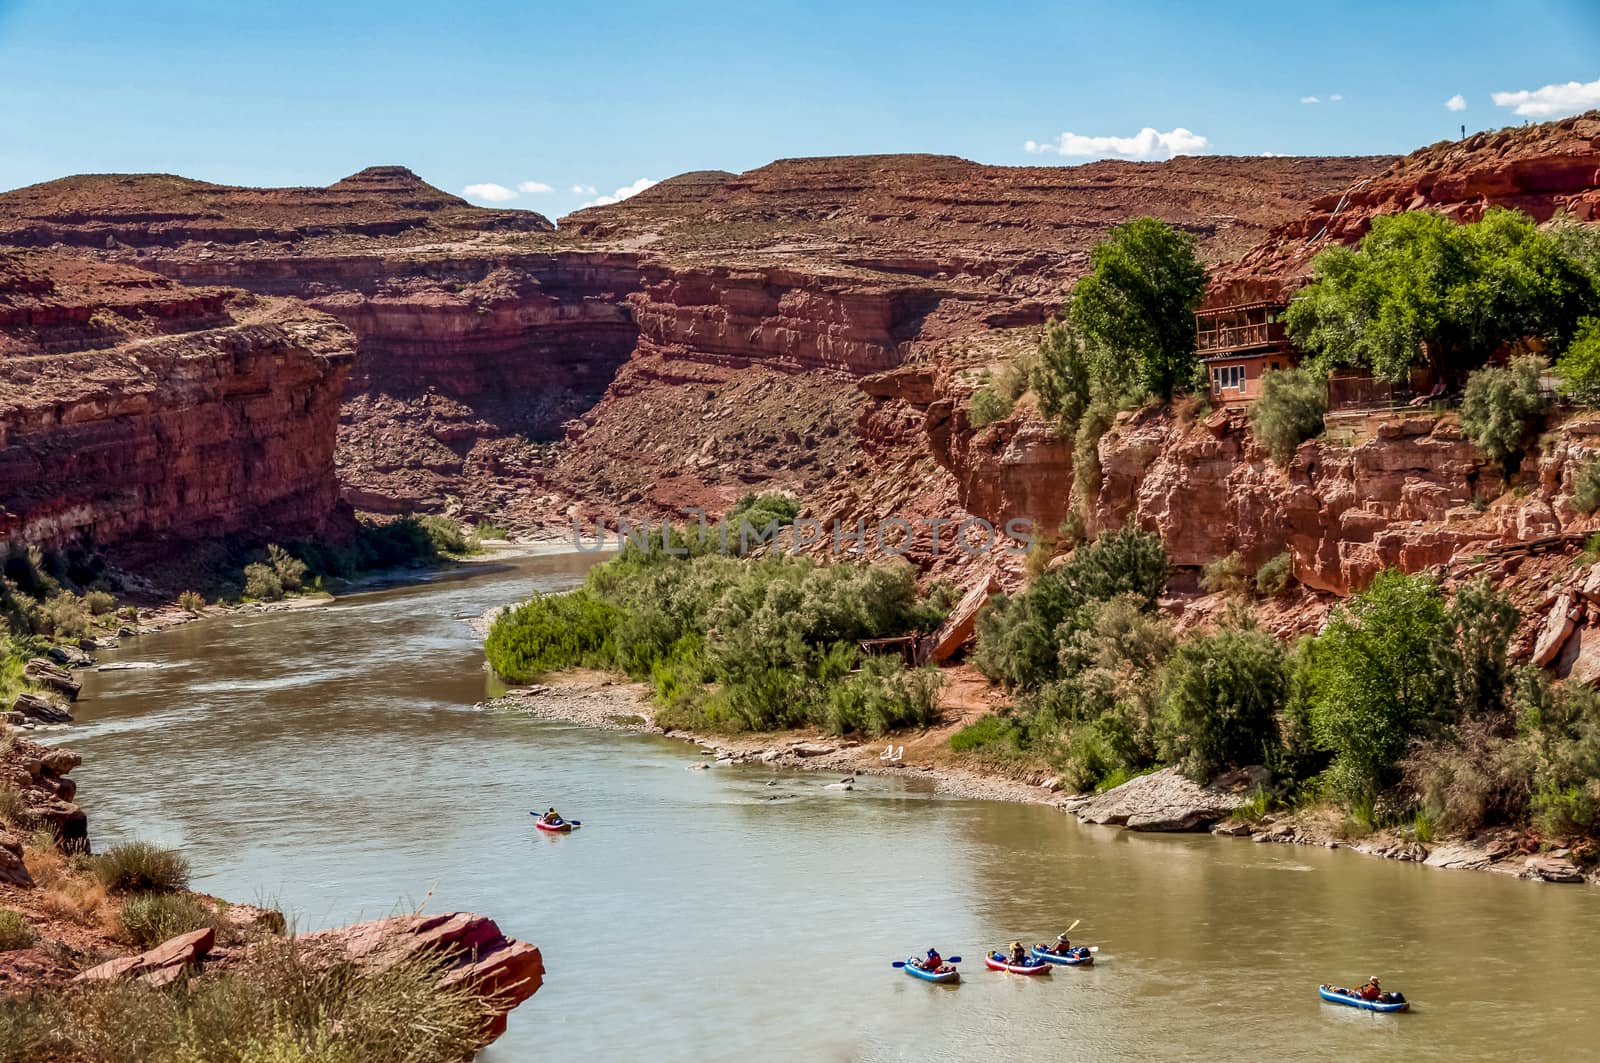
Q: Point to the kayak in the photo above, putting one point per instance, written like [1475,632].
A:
[946,973]
[1350,998]
[996,962]
[1077,956]
[554,828]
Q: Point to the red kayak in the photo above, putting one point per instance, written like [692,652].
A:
[996,962]
[554,828]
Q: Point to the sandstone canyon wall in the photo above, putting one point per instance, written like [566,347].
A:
[134,410]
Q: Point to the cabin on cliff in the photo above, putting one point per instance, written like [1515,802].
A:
[1237,344]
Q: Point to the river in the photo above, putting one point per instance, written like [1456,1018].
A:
[329,761]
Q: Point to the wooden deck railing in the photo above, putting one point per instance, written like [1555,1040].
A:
[1236,337]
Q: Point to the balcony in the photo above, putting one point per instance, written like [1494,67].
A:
[1209,341]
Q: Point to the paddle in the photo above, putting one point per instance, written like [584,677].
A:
[947,959]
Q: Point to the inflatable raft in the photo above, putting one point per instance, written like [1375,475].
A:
[1077,956]
[1350,998]
[997,962]
[946,972]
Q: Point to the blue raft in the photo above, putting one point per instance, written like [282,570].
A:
[1350,998]
[1077,956]
[946,973]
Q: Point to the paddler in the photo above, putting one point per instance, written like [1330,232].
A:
[1372,990]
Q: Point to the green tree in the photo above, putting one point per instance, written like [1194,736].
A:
[1061,375]
[1484,621]
[1500,407]
[1135,309]
[1220,695]
[1420,287]
[1290,410]
[1380,674]
[1579,366]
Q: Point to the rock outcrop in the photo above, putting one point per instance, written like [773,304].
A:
[1161,801]
[123,425]
[38,773]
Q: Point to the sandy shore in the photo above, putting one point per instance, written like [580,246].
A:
[594,699]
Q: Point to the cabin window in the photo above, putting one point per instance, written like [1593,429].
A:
[1224,377]
[1275,365]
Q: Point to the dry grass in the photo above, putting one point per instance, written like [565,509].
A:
[67,890]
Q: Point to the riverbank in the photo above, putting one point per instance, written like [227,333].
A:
[1161,801]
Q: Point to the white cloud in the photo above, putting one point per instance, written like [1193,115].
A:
[1148,143]
[584,190]
[534,188]
[619,195]
[1335,98]
[490,191]
[1551,101]
[1310,99]
[1457,102]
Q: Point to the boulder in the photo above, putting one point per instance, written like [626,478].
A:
[1553,635]
[1161,801]
[40,709]
[1459,856]
[45,674]
[161,965]
[960,626]
[1553,869]
[13,871]
[473,951]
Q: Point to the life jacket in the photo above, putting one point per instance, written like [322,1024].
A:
[1370,992]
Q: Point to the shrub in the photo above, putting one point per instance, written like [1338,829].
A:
[290,570]
[278,1003]
[14,810]
[1468,780]
[1220,696]
[551,632]
[1500,406]
[100,603]
[761,515]
[445,534]
[1086,471]
[65,616]
[1579,366]
[884,696]
[140,867]
[1586,489]
[1289,411]
[488,529]
[193,601]
[261,582]
[148,919]
[15,931]
[1273,577]
[987,406]
[988,734]
[1225,574]
[1061,376]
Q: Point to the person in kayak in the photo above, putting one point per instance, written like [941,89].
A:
[1017,954]
[1062,945]
[551,817]
[933,961]
[1372,990]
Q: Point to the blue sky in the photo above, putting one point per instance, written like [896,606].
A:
[606,97]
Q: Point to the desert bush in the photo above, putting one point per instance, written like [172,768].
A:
[15,931]
[987,734]
[65,615]
[1465,781]
[551,632]
[147,919]
[883,696]
[193,601]
[1500,407]
[987,406]
[1220,695]
[1586,489]
[275,1005]
[14,808]
[290,570]
[488,529]
[1225,574]
[1290,411]
[261,582]
[140,867]
[445,534]
[1274,576]
[100,603]
[1061,376]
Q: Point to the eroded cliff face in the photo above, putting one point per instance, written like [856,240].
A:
[137,411]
